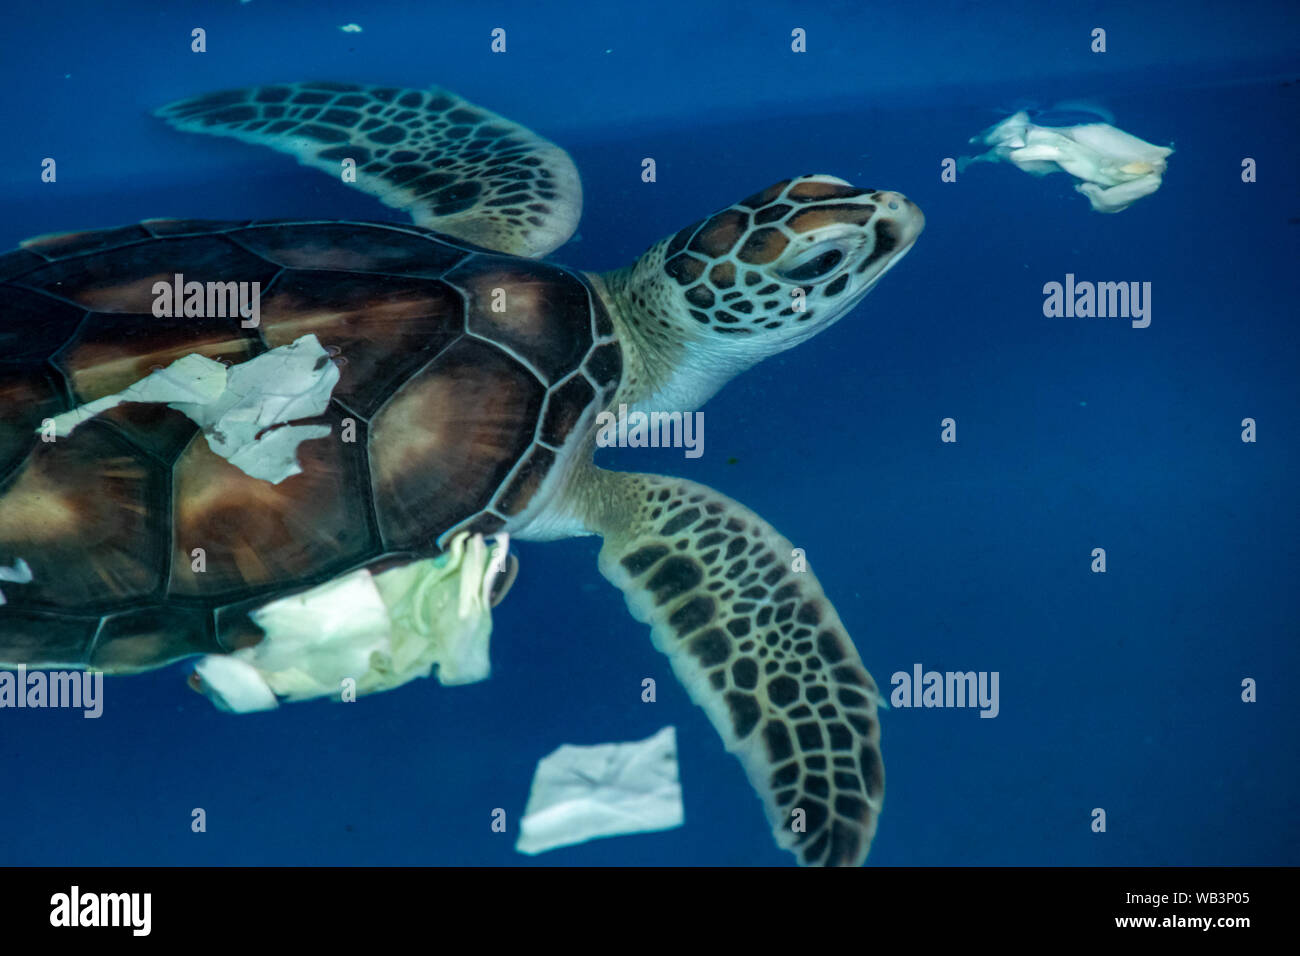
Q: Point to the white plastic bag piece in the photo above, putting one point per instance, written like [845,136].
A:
[583,793]
[243,409]
[234,685]
[422,598]
[1114,168]
[378,630]
[316,639]
[19,573]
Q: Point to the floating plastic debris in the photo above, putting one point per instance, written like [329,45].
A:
[582,793]
[1115,168]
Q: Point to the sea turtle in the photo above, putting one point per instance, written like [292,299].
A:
[473,373]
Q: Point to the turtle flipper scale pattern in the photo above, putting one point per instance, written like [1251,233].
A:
[759,647]
[452,165]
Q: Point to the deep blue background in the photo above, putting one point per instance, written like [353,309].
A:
[1119,691]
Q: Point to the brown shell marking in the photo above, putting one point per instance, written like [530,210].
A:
[445,443]
[28,395]
[256,534]
[383,334]
[535,317]
[85,516]
[104,358]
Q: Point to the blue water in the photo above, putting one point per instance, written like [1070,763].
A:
[1119,690]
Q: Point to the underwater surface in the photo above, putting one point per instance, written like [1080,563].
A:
[1119,690]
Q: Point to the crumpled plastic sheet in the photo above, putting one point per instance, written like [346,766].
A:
[1114,168]
[17,573]
[381,630]
[243,409]
[583,793]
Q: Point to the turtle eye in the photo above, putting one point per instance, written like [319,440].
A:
[813,264]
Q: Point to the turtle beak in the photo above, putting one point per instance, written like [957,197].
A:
[905,217]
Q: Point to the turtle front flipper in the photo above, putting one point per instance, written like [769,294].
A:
[455,167]
[758,646]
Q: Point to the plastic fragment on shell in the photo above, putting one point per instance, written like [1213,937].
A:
[367,632]
[244,410]
[17,573]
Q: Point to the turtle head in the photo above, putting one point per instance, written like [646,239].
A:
[766,273]
[790,260]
